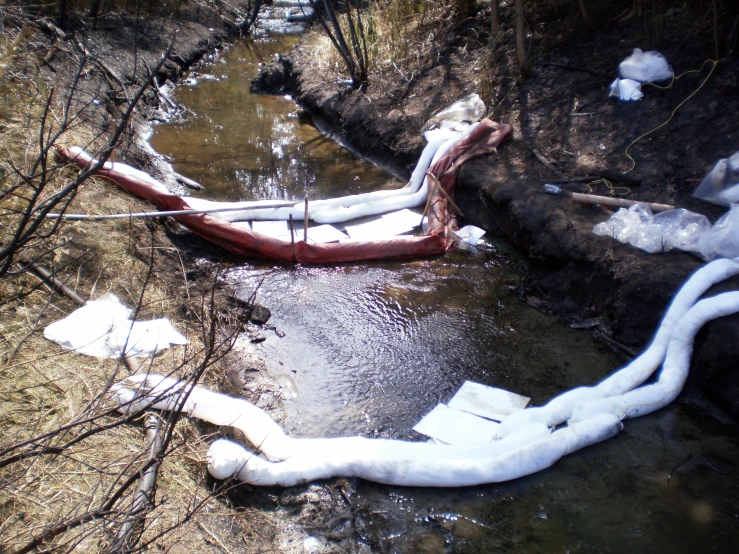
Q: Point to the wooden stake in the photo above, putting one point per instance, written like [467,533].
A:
[305,221]
[292,237]
[617,202]
[435,182]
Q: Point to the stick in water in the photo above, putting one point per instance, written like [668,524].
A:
[305,221]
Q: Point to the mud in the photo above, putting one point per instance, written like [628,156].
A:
[562,111]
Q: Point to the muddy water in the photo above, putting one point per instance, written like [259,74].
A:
[370,348]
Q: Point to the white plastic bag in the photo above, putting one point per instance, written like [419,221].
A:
[626,90]
[722,240]
[645,67]
[721,185]
[469,109]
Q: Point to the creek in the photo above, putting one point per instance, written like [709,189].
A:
[370,348]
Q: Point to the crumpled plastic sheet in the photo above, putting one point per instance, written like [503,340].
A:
[680,229]
[637,226]
[640,67]
[103,328]
[721,185]
[626,90]
[645,67]
[722,240]
[470,234]
[467,110]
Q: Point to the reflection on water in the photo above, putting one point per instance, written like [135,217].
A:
[243,146]
[381,345]
[370,348]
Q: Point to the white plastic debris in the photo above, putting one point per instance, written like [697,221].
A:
[645,67]
[681,229]
[456,427]
[103,328]
[489,402]
[722,240]
[721,185]
[467,110]
[470,234]
[626,90]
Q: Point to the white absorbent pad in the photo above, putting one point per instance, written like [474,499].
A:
[103,328]
[485,401]
[321,234]
[388,226]
[275,229]
[470,234]
[456,427]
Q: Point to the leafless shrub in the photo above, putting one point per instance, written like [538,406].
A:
[72,467]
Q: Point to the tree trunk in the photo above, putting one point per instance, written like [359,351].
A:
[465,8]
[588,22]
[521,37]
[94,9]
[495,18]
[62,20]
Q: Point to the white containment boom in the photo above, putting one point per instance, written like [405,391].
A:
[525,444]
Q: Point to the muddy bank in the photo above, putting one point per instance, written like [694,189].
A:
[562,111]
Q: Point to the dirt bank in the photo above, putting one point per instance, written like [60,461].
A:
[563,112]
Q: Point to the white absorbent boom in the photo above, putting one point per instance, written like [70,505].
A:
[525,444]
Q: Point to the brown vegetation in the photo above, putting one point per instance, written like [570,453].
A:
[75,474]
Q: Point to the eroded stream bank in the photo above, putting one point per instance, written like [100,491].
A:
[369,348]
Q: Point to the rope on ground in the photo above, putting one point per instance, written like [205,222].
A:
[614,191]
[715,63]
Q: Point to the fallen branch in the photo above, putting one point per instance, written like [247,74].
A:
[143,501]
[543,159]
[189,183]
[48,278]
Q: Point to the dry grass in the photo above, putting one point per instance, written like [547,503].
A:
[42,386]
[400,38]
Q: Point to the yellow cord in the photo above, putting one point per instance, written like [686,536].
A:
[613,191]
[715,63]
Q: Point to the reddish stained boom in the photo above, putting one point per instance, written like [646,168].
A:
[483,139]
[248,243]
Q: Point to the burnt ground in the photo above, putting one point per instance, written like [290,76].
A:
[562,111]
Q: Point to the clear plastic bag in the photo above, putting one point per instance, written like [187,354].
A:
[645,67]
[722,240]
[721,185]
[469,109]
[681,229]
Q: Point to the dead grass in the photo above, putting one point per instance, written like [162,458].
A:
[400,38]
[43,387]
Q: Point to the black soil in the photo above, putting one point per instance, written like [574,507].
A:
[562,111]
